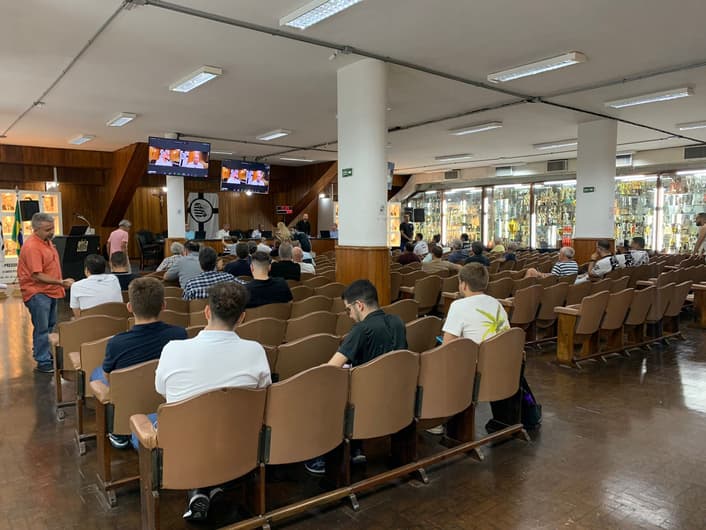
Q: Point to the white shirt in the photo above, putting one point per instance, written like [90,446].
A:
[427,258]
[476,317]
[261,247]
[421,248]
[307,267]
[256,234]
[95,290]
[607,264]
[222,234]
[211,360]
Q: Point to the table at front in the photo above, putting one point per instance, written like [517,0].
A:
[318,246]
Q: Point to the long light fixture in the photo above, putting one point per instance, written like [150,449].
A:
[291,159]
[221,152]
[196,79]
[538,67]
[479,127]
[80,140]
[654,97]
[121,119]
[691,125]
[452,158]
[556,144]
[314,12]
[560,183]
[273,135]
[691,172]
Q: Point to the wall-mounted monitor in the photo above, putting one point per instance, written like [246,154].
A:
[178,157]
[245,176]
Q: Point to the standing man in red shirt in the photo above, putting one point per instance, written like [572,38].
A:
[41,283]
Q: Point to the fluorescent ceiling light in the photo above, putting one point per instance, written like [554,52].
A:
[288,159]
[196,79]
[691,172]
[560,183]
[691,125]
[480,127]
[634,178]
[121,119]
[80,140]
[451,158]
[655,97]
[516,186]
[538,67]
[556,144]
[221,152]
[272,135]
[314,12]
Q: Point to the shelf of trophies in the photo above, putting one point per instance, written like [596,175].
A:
[430,203]
[462,212]
[47,202]
[635,208]
[682,197]
[509,214]
[554,213]
[394,218]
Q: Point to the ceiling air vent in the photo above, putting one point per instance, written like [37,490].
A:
[452,174]
[623,160]
[503,171]
[697,151]
[557,165]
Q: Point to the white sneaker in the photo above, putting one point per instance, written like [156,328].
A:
[439,429]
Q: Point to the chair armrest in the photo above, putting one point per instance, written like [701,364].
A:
[406,289]
[142,427]
[101,391]
[507,302]
[569,310]
[75,358]
[457,295]
[698,287]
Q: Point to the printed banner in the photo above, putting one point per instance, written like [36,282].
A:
[202,214]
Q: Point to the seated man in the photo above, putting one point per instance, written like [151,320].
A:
[198,287]
[421,248]
[408,256]
[187,267]
[96,288]
[437,264]
[241,266]
[177,253]
[498,247]
[224,233]
[257,233]
[285,267]
[511,254]
[262,246]
[637,250]
[603,260]
[215,358]
[142,343]
[465,242]
[565,266]
[120,269]
[477,255]
[263,289]
[298,258]
[458,255]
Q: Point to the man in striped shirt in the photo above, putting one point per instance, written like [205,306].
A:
[565,266]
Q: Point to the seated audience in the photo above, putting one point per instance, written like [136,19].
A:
[420,246]
[189,234]
[565,266]
[119,266]
[298,258]
[603,260]
[223,233]
[458,255]
[96,288]
[240,266]
[437,264]
[477,255]
[465,242]
[498,247]
[257,233]
[333,233]
[285,267]
[637,250]
[305,243]
[199,286]
[408,256]
[177,250]
[187,267]
[263,289]
[262,246]
[215,358]
[252,247]
[510,254]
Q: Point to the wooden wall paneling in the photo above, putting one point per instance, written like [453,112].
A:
[53,157]
[146,213]
[129,169]
[308,203]
[585,246]
[371,263]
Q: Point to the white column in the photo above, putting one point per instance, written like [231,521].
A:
[595,179]
[325,218]
[175,203]
[362,161]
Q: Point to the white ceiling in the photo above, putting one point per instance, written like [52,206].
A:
[271,82]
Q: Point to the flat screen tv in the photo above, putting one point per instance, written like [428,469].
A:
[245,176]
[178,157]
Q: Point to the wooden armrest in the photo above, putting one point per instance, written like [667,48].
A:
[142,427]
[645,283]
[75,358]
[507,302]
[101,391]
[698,287]
[569,310]
[457,295]
[406,289]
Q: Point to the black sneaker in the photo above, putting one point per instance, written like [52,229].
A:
[119,441]
[358,458]
[44,368]
[317,466]
[198,508]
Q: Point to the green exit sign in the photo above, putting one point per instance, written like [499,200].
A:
[347,172]
[589,189]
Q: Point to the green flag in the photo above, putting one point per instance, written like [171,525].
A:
[17,227]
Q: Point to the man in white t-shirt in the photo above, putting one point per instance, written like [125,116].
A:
[215,358]
[420,246]
[603,260]
[96,288]
[298,257]
[223,233]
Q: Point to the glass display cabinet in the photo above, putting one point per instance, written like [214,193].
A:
[49,202]
[635,208]
[554,213]
[681,197]
[462,209]
[509,214]
[430,202]
[394,219]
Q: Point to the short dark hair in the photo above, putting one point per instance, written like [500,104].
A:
[436,238]
[477,248]
[95,264]
[639,240]
[146,297]
[604,244]
[241,250]
[437,251]
[252,247]
[227,301]
[475,276]
[420,236]
[207,258]
[464,237]
[192,246]
[362,290]
[409,247]
[118,259]
[261,258]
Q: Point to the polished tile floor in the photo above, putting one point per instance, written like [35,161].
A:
[621,446]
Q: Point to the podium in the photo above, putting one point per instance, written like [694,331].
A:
[73,251]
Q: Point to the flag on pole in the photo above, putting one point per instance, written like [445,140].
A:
[2,247]
[17,227]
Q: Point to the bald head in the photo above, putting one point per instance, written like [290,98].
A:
[297,254]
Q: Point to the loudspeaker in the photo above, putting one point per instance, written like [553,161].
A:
[418,215]
[28,208]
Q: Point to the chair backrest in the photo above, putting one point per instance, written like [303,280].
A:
[522,284]
[446,378]
[192,331]
[641,273]
[281,311]
[132,392]
[177,304]
[499,365]
[405,309]
[389,380]
[568,279]
[620,284]
[329,274]
[73,333]
[551,297]
[601,285]
[661,297]
[304,353]
[306,276]
[199,304]
[591,313]
[640,306]
[676,301]
[293,283]
[109,309]
[219,421]
[578,292]
[266,330]
[310,305]
[175,319]
[173,292]
[126,296]
[415,265]
[547,281]
[305,414]
[507,265]
[332,290]
[501,288]
[337,305]
[316,281]
[426,293]
[494,266]
[92,355]
[343,324]
[525,305]
[422,333]
[300,292]
[617,309]
[197,319]
[395,283]
[311,324]
[450,284]
[408,280]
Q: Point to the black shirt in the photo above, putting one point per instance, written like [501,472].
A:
[286,269]
[125,278]
[269,291]
[478,259]
[239,267]
[408,230]
[303,226]
[144,342]
[376,335]
[303,241]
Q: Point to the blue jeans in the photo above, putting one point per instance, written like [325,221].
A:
[43,311]
[99,375]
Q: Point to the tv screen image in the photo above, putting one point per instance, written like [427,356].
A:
[178,157]
[245,176]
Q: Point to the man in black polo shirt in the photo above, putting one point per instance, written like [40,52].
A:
[263,289]
[241,266]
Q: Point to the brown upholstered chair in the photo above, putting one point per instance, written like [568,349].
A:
[293,283]
[580,324]
[577,292]
[306,276]
[405,309]
[415,265]
[545,322]
[281,311]
[601,285]
[310,305]
[409,279]
[642,273]
[110,309]
[316,322]
[671,313]
[300,292]
[547,281]
[266,331]
[568,279]
[126,296]
[195,444]
[192,331]
[332,290]
[426,293]
[175,319]
[615,314]
[494,266]
[177,304]
[304,353]
[343,324]
[504,273]
[316,281]
[329,274]
[422,333]
[131,391]
[660,302]
[524,306]
[634,325]
[198,319]
[620,284]
[337,305]
[395,283]
[522,284]
[501,288]
[173,292]
[197,305]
